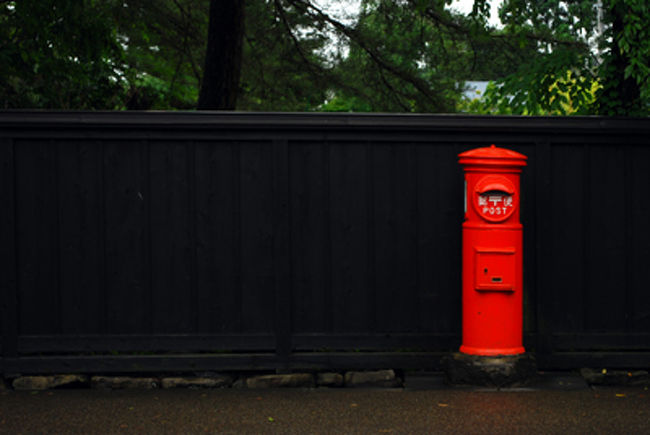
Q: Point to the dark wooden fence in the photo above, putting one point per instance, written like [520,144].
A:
[134,242]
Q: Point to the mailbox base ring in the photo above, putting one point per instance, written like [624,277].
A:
[471,350]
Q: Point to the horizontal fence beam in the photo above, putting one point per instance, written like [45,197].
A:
[403,342]
[600,341]
[314,361]
[614,360]
[222,362]
[141,363]
[62,344]
[387,341]
[328,126]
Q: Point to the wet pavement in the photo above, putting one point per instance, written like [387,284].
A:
[424,407]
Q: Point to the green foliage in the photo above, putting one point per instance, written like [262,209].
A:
[164,47]
[551,56]
[283,68]
[91,54]
[566,95]
[412,56]
[625,71]
[408,71]
[59,54]
[567,39]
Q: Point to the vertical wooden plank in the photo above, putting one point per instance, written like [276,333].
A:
[606,282]
[38,233]
[309,200]
[395,196]
[258,296]
[218,237]
[638,307]
[440,216]
[628,249]
[8,274]
[193,235]
[542,231]
[371,273]
[171,250]
[328,296]
[128,272]
[427,227]
[564,297]
[349,237]
[282,250]
[80,211]
[536,170]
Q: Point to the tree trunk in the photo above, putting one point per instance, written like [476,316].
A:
[223,55]
[620,96]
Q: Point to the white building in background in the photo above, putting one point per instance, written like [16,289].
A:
[475,89]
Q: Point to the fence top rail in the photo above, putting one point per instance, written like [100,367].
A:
[216,120]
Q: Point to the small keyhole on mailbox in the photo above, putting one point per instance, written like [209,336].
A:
[497,279]
[485,271]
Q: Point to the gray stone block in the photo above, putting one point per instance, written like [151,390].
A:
[123,382]
[49,382]
[294,380]
[379,378]
[211,382]
[329,380]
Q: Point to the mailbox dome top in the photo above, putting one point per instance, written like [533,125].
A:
[492,155]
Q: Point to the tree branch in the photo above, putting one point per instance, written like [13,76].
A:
[354,35]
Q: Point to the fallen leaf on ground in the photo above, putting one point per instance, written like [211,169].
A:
[443,405]
[271,419]
[620,395]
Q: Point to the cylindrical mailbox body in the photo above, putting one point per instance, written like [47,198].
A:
[492,253]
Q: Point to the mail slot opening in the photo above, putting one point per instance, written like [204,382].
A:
[495,269]
[495,193]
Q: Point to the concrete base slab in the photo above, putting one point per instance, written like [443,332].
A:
[490,371]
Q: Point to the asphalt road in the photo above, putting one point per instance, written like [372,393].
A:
[336,411]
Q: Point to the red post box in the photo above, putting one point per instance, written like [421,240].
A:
[492,253]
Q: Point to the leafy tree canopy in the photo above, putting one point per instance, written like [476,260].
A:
[550,56]
[590,58]
[58,54]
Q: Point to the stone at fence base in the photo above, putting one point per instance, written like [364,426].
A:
[490,371]
[615,377]
[211,382]
[294,380]
[49,382]
[379,378]
[329,380]
[123,382]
